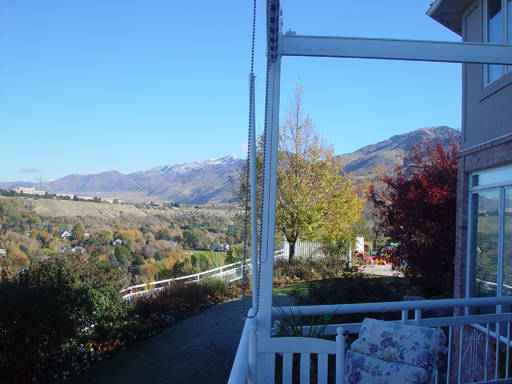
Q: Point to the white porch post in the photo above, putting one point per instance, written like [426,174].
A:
[269,201]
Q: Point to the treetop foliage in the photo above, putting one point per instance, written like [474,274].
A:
[315,200]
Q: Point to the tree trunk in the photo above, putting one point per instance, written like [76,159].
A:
[291,254]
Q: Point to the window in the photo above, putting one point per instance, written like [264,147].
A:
[498,31]
[490,242]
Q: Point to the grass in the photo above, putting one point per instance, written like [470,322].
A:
[190,252]
[54,208]
[302,288]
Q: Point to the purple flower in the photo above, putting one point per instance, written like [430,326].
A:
[374,348]
[386,342]
[424,359]
[358,362]
[354,377]
[384,334]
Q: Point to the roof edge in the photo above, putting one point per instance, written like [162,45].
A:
[445,11]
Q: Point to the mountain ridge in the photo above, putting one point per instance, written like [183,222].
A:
[211,181]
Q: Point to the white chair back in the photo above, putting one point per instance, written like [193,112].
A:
[268,349]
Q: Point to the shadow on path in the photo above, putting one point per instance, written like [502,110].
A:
[200,349]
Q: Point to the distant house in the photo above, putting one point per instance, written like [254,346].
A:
[3,253]
[220,247]
[65,234]
[117,242]
[28,191]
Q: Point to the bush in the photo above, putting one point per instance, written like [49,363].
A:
[294,270]
[286,271]
[49,304]
[181,300]
[350,288]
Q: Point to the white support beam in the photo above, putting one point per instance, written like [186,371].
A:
[269,201]
[414,50]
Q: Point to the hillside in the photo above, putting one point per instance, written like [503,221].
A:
[56,208]
[206,182]
[390,153]
[209,182]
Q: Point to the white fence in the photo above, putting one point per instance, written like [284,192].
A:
[303,249]
[308,250]
[229,273]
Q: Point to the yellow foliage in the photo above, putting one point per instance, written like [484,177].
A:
[172,258]
[21,259]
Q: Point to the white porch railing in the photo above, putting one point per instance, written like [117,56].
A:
[474,340]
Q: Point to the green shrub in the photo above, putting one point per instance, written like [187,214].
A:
[351,288]
[181,300]
[308,270]
[295,270]
[51,303]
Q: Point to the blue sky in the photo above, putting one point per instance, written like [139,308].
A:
[99,85]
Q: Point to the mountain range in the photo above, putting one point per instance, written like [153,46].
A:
[209,182]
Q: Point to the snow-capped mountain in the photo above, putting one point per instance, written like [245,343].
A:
[201,182]
[180,169]
[210,181]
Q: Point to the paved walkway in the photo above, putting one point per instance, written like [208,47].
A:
[199,350]
[383,270]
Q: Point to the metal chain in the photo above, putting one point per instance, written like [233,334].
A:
[268,122]
[272,11]
[248,168]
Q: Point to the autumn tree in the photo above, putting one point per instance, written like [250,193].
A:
[78,231]
[314,201]
[192,237]
[417,205]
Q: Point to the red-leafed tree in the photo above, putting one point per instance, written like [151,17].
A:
[416,208]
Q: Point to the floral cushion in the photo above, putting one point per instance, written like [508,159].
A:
[400,343]
[360,368]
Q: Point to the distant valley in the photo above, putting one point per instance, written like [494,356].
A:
[208,182]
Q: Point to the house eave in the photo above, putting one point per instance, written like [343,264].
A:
[449,13]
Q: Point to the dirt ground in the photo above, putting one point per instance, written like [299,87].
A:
[199,350]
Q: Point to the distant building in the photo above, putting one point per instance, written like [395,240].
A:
[29,191]
[117,242]
[220,246]
[3,253]
[65,234]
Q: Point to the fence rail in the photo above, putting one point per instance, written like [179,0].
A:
[304,249]
[229,273]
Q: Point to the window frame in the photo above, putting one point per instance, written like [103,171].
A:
[501,186]
[506,36]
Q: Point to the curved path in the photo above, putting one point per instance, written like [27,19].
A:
[201,349]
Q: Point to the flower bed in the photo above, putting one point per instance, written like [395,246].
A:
[150,316]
